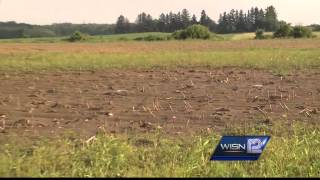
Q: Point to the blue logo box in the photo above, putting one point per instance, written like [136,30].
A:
[240,148]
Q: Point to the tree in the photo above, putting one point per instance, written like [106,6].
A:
[251,20]
[185,17]
[194,19]
[223,23]
[231,22]
[172,22]
[204,18]
[206,21]
[271,19]
[77,36]
[122,25]
[179,22]
[161,23]
[241,22]
[260,21]
[145,23]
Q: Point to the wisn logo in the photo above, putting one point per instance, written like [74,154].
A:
[240,148]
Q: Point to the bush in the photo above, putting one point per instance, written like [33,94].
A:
[77,36]
[301,32]
[151,38]
[260,34]
[193,32]
[180,34]
[154,38]
[284,30]
[123,39]
[198,32]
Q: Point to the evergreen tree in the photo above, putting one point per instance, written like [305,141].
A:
[172,21]
[271,19]
[122,25]
[145,23]
[167,23]
[204,18]
[223,23]
[231,21]
[194,19]
[185,17]
[179,21]
[241,22]
[260,21]
[161,23]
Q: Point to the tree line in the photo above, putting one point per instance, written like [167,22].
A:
[169,22]
[253,19]
[22,30]
[229,22]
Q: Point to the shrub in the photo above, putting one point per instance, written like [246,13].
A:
[77,36]
[284,30]
[198,32]
[154,38]
[123,39]
[138,39]
[260,34]
[180,34]
[151,38]
[193,32]
[301,32]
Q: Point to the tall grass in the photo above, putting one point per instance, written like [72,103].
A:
[278,60]
[292,152]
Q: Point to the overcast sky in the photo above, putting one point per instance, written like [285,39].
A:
[106,11]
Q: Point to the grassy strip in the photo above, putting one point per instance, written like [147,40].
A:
[278,60]
[97,38]
[290,153]
[132,36]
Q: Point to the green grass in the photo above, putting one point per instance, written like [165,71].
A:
[102,38]
[122,37]
[277,60]
[132,36]
[34,40]
[292,152]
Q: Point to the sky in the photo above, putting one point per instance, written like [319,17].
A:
[106,11]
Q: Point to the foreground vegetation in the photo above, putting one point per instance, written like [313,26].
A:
[277,60]
[292,152]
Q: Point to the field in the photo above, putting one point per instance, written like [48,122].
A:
[118,107]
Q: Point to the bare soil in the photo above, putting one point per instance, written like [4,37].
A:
[181,101]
